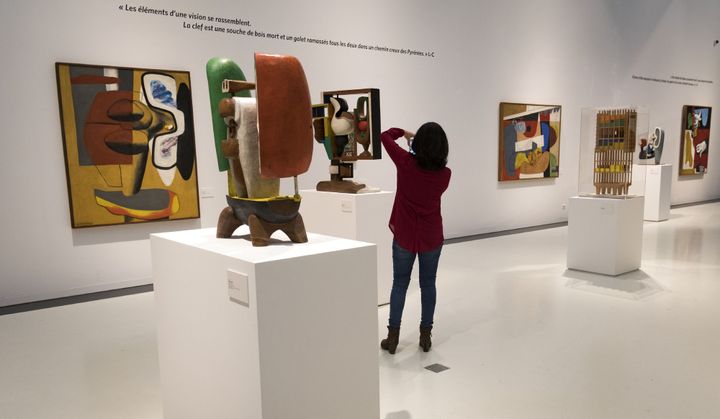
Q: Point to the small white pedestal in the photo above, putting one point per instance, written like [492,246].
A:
[653,182]
[283,331]
[658,181]
[605,234]
[361,217]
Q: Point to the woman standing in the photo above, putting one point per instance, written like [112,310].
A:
[416,222]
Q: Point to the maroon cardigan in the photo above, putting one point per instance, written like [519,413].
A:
[415,221]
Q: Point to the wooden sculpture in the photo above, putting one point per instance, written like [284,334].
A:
[614,148]
[651,149]
[341,131]
[265,139]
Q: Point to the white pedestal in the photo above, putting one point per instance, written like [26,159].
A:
[605,234]
[361,217]
[653,182]
[283,331]
[658,181]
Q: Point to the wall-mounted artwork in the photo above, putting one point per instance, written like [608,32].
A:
[529,141]
[129,144]
[695,141]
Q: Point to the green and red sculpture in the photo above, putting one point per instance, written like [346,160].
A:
[260,140]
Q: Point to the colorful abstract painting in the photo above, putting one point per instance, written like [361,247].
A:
[529,141]
[695,141]
[129,144]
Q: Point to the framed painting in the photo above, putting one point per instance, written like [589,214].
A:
[529,141]
[695,141]
[129,144]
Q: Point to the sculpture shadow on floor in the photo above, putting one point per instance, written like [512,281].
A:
[634,285]
[403,414]
[283,241]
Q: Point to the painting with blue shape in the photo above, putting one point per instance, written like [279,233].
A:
[529,146]
[129,141]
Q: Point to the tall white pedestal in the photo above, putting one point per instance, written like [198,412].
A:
[283,331]
[653,182]
[605,234]
[658,181]
[361,217]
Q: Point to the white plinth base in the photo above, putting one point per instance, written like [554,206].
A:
[361,217]
[283,331]
[653,182]
[658,181]
[605,234]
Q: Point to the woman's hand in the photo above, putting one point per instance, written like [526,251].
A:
[409,136]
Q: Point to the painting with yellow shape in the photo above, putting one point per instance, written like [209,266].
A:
[529,146]
[129,144]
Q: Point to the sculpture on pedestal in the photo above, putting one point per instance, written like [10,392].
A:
[259,141]
[651,149]
[341,131]
[614,148]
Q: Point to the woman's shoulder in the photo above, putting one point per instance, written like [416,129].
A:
[442,174]
[448,173]
[445,172]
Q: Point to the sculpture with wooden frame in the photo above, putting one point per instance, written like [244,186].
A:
[341,131]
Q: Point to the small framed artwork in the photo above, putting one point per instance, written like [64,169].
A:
[695,141]
[129,144]
[529,146]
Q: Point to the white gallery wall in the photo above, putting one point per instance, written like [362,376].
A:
[565,52]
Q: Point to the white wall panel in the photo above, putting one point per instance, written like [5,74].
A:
[571,53]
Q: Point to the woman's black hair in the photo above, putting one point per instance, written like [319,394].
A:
[430,146]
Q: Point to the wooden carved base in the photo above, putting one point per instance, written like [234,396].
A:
[260,231]
[342,186]
[227,224]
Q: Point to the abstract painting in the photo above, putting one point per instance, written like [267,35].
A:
[695,141]
[529,141]
[129,144]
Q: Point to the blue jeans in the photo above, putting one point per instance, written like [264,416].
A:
[403,261]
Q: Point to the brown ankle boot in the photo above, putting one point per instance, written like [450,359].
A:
[391,342]
[425,341]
